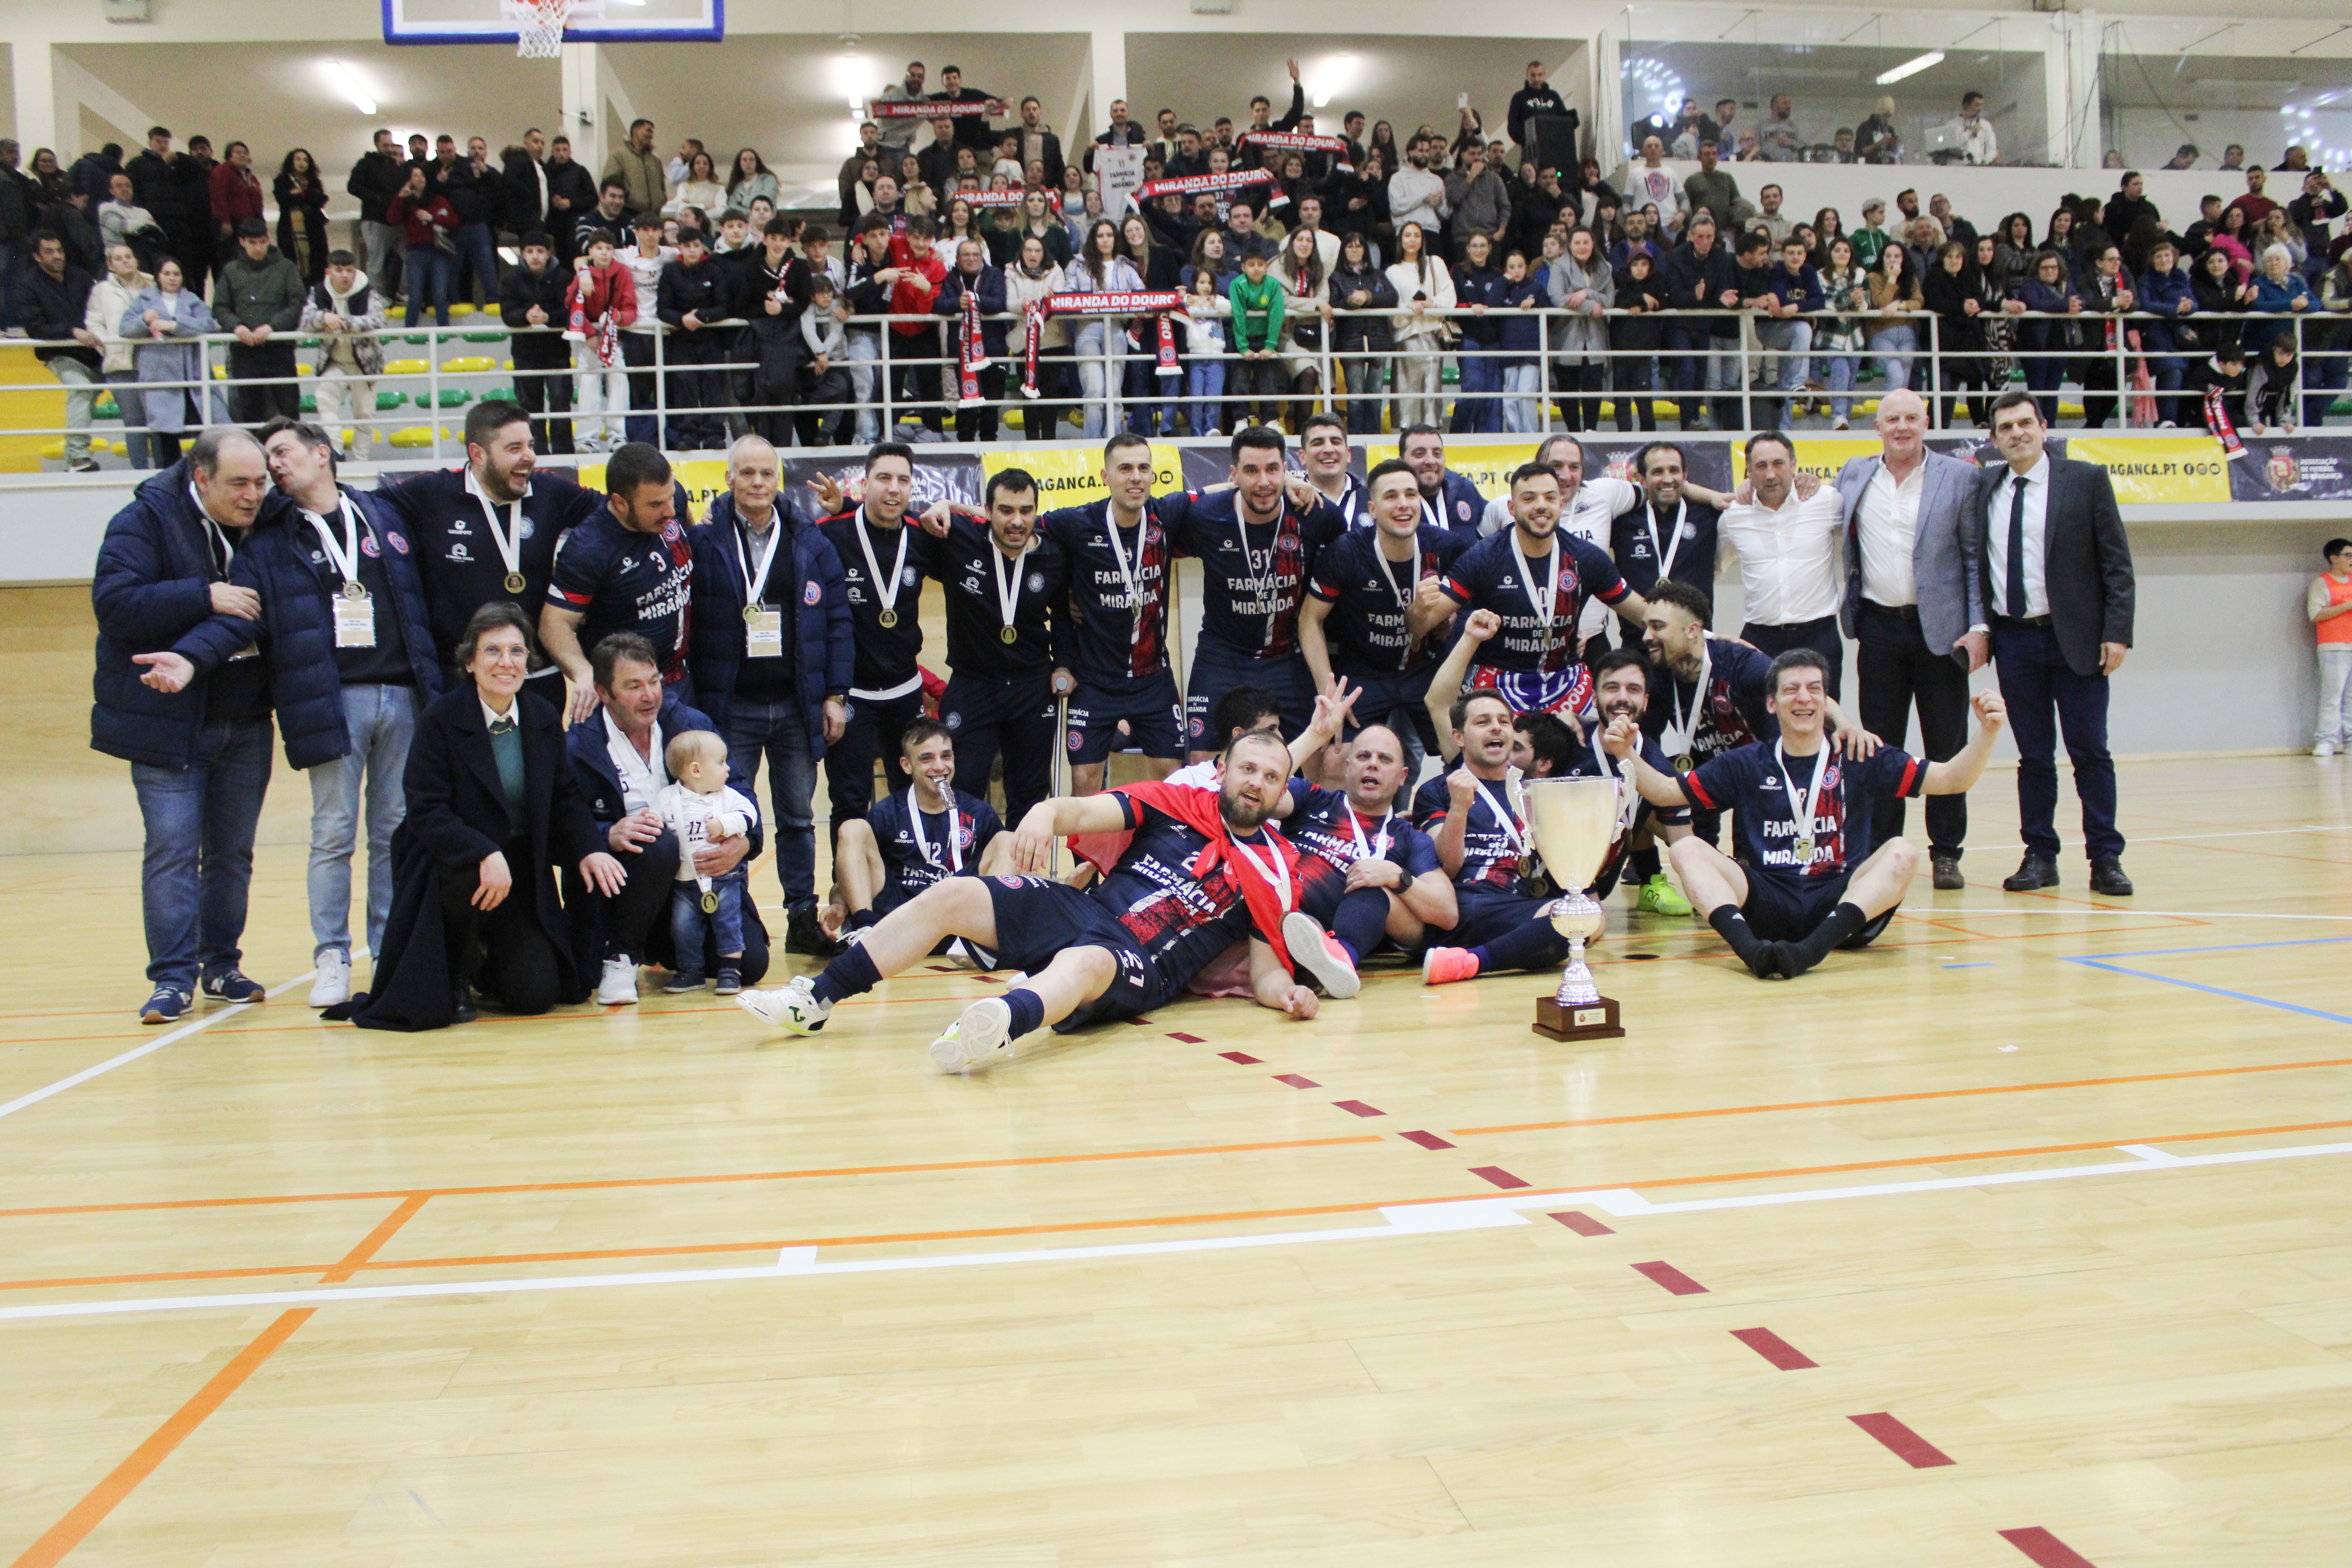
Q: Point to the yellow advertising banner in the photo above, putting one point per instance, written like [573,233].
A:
[1488,468]
[704,478]
[2158,470]
[1072,476]
[1820,456]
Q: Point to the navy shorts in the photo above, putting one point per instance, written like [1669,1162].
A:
[1217,670]
[1038,917]
[1789,909]
[1393,699]
[1155,722]
[1485,917]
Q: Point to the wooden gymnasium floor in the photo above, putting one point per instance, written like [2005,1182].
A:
[2020,1237]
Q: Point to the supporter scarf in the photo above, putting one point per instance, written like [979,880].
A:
[1168,365]
[921,108]
[1200,810]
[1291,142]
[977,200]
[973,358]
[1138,302]
[1032,321]
[2218,420]
[1231,180]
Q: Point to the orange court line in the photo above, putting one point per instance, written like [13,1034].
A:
[1899,1099]
[625,1182]
[372,1243]
[1156,1221]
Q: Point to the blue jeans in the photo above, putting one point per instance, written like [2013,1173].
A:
[428,273]
[2044,694]
[381,721]
[864,350]
[1789,340]
[135,415]
[199,857]
[1481,373]
[1840,375]
[779,731]
[1894,346]
[478,256]
[1206,387]
[1100,379]
[724,925]
[1524,384]
[1149,412]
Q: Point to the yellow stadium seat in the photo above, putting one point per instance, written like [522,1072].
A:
[404,367]
[467,364]
[56,448]
[415,435]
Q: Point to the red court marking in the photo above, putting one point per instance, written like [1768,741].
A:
[1902,1442]
[1671,1278]
[2045,1548]
[1141,1022]
[1188,1040]
[1295,1081]
[1583,1224]
[1358,1107]
[1774,1349]
[1244,1057]
[1496,1174]
[1426,1140]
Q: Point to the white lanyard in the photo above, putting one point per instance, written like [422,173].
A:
[228,550]
[1803,810]
[1430,514]
[347,558]
[889,616]
[510,542]
[1403,599]
[756,586]
[1686,730]
[1664,553]
[1377,849]
[1277,878]
[1548,605]
[923,845]
[1008,593]
[1504,817]
[1262,582]
[1126,573]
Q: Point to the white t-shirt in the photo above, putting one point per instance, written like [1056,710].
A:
[697,819]
[642,778]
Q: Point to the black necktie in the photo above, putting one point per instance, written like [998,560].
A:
[501,726]
[2013,591]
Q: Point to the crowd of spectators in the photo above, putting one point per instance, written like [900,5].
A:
[1347,266]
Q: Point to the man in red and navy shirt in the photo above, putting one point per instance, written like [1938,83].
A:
[629,568]
[1809,876]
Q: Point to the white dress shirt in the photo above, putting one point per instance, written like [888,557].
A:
[642,778]
[1889,519]
[2037,506]
[1788,566]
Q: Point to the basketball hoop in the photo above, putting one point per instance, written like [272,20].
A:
[539,35]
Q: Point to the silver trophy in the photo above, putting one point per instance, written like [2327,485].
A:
[1573,822]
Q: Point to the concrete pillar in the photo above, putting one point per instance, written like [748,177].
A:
[33,72]
[1106,79]
[583,120]
[2070,78]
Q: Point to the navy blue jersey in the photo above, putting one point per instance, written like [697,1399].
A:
[1685,540]
[1590,762]
[1493,839]
[1486,577]
[1180,921]
[1319,824]
[910,868]
[1728,715]
[460,559]
[1253,575]
[1109,647]
[886,655]
[1748,782]
[973,571]
[623,581]
[1368,594]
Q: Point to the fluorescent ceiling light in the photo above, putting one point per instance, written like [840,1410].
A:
[1911,68]
[353,88]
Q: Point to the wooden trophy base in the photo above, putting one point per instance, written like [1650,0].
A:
[1587,1021]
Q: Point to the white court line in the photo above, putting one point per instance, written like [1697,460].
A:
[150,1048]
[2128,909]
[1399,1220]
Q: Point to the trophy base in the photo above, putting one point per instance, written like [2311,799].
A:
[1594,1020]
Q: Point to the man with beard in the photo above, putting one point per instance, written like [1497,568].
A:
[628,567]
[1202,872]
[908,841]
[1672,535]
[1806,879]
[1622,690]
[1448,500]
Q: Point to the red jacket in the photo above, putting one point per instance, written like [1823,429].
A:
[236,193]
[910,298]
[420,218]
[615,288]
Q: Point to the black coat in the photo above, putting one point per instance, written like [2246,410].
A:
[1362,334]
[457,817]
[518,290]
[2086,560]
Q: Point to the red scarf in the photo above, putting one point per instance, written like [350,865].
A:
[1032,321]
[2218,420]
[1186,185]
[1200,810]
[973,359]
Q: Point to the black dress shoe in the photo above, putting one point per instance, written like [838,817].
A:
[461,1004]
[1946,868]
[2107,876]
[803,934]
[2033,872]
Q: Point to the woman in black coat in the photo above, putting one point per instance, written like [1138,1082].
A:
[302,214]
[1362,343]
[1953,290]
[490,817]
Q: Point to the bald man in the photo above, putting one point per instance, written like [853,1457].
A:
[1913,605]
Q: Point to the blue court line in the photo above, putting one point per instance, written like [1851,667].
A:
[2093,962]
[1985,965]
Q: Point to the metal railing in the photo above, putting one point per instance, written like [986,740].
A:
[1749,379]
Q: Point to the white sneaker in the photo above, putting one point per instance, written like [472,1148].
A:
[981,1035]
[2324,749]
[1318,952]
[794,1009]
[620,982]
[332,984]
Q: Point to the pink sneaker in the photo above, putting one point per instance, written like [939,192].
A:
[1445,965]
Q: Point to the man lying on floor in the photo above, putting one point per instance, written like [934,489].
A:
[1203,871]
[1796,891]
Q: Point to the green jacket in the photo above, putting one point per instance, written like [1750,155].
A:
[1257,313]
[265,293]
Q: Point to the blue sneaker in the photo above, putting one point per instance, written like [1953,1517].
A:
[684,981]
[230,985]
[167,1006]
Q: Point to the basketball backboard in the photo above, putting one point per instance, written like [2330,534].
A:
[591,22]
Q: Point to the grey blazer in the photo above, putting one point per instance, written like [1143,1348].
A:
[1943,551]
